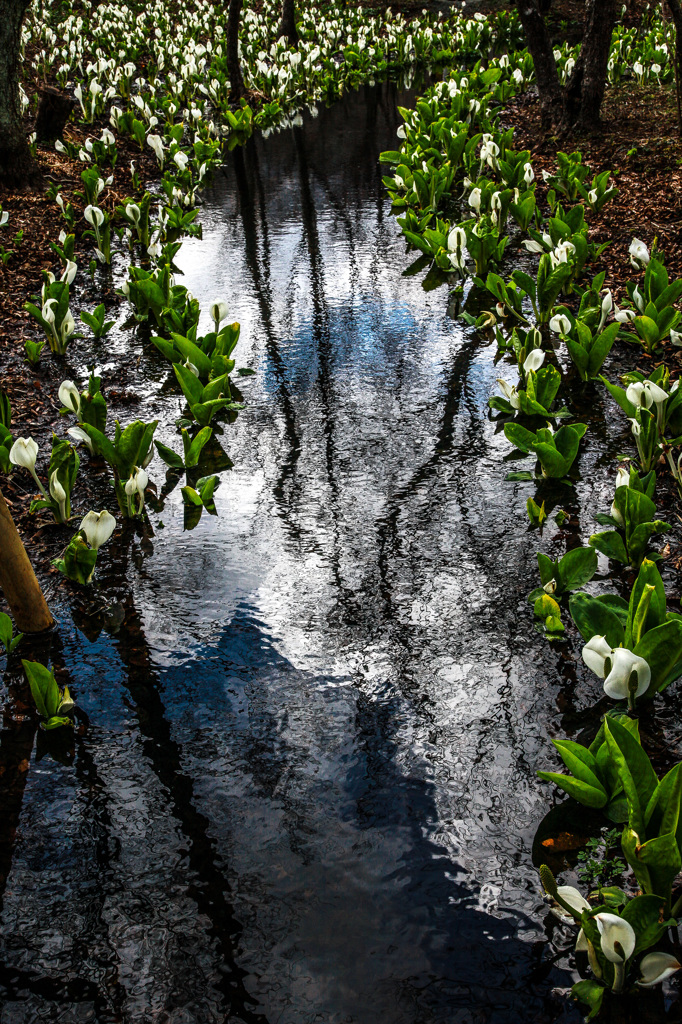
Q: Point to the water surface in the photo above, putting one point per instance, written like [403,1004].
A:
[307,790]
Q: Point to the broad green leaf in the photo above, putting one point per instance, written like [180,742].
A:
[594,618]
[547,568]
[194,354]
[630,843]
[6,631]
[191,385]
[611,544]
[590,796]
[43,688]
[102,445]
[554,464]
[196,446]
[648,576]
[519,436]
[661,857]
[646,915]
[170,457]
[638,778]
[590,993]
[619,395]
[661,648]
[601,347]
[577,567]
[579,355]
[662,813]
[78,561]
[579,762]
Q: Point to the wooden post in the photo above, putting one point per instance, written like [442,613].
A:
[18,580]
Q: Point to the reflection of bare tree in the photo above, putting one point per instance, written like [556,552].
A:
[426,475]
[262,289]
[16,746]
[325,353]
[164,755]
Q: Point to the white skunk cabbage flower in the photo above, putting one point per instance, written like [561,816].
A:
[98,528]
[618,938]
[639,254]
[69,396]
[534,360]
[656,967]
[560,324]
[219,312]
[615,666]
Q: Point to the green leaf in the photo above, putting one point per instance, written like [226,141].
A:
[577,567]
[661,858]
[191,385]
[661,648]
[641,536]
[662,814]
[536,513]
[170,457]
[648,331]
[619,395]
[78,561]
[579,355]
[590,993]
[590,796]
[43,688]
[546,606]
[547,568]
[519,436]
[56,722]
[553,463]
[579,762]
[206,486]
[102,445]
[611,544]
[195,355]
[601,347]
[595,618]
[523,475]
[194,450]
[648,576]
[167,349]
[190,496]
[128,445]
[645,914]
[637,777]
[6,631]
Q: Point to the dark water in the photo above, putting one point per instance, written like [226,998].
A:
[306,792]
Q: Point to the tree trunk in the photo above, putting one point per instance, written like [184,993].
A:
[676,11]
[600,18]
[580,101]
[542,52]
[287,26]
[53,112]
[237,88]
[17,166]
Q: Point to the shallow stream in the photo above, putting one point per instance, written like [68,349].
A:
[307,788]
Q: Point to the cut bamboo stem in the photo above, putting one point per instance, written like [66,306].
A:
[18,580]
